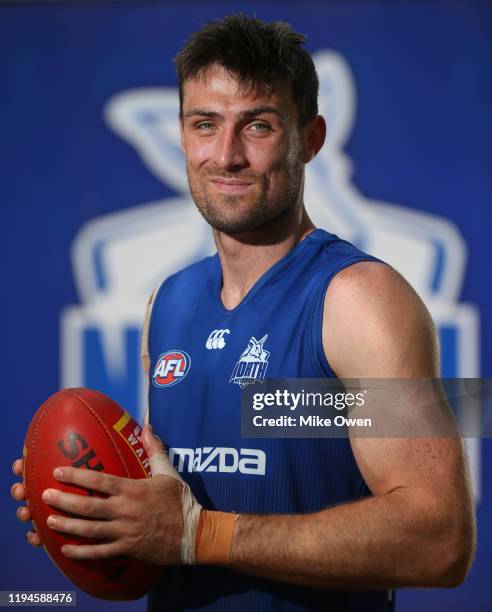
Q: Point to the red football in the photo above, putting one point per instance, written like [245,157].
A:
[84,428]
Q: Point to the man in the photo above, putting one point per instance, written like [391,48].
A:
[330,524]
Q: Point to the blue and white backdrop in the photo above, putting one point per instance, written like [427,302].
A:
[96,209]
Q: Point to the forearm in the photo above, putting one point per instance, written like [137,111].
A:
[377,542]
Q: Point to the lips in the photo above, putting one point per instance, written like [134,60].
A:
[231,185]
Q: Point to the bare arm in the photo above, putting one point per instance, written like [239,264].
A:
[418,527]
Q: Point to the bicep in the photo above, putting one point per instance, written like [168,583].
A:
[144,342]
[433,466]
[144,347]
[376,327]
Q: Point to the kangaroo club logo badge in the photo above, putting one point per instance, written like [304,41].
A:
[171,368]
[252,364]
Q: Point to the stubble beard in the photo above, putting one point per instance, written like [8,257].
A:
[233,215]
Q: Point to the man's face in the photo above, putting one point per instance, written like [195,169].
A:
[242,151]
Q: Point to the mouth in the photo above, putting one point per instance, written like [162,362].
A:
[230,186]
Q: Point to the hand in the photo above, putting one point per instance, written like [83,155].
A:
[141,518]
[18,492]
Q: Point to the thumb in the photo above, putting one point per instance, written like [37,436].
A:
[151,443]
[159,461]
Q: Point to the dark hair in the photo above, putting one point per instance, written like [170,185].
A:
[258,54]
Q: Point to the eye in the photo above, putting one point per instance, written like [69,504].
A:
[259,126]
[204,126]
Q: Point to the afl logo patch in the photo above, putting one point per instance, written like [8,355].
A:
[171,368]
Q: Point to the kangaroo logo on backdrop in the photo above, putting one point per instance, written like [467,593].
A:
[119,258]
[171,368]
[252,364]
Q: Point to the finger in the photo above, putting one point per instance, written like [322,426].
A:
[18,491]
[82,505]
[92,551]
[159,461]
[151,442]
[18,467]
[90,479]
[80,527]
[23,514]
[33,538]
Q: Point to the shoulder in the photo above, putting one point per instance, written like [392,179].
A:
[185,279]
[336,250]
[191,271]
[375,325]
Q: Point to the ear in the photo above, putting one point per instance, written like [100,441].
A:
[314,135]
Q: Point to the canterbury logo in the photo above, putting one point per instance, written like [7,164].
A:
[216,339]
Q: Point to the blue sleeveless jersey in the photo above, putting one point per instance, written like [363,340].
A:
[199,356]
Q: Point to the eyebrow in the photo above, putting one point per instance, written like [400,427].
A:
[248,114]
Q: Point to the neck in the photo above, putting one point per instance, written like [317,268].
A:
[246,257]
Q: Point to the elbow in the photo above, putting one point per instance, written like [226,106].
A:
[456,556]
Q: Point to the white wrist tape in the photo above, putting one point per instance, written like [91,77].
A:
[160,464]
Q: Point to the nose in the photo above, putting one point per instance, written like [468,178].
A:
[230,153]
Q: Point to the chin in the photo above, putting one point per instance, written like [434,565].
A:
[234,227]
[238,221]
